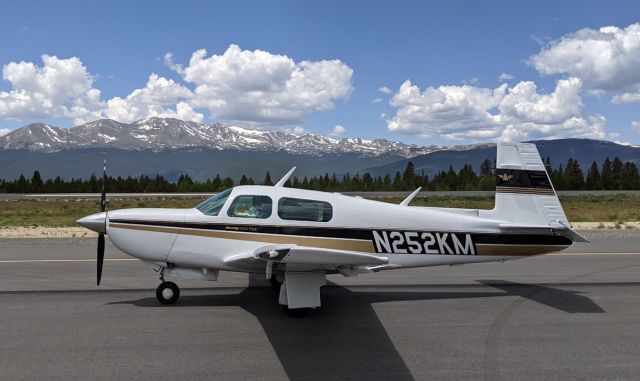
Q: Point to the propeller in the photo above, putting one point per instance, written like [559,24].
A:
[103,207]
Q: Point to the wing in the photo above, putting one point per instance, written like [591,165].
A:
[301,258]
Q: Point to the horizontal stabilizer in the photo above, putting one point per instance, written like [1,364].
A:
[558,228]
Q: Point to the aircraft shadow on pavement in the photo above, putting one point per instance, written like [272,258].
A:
[567,301]
[346,338]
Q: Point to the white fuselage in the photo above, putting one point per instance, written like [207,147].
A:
[407,236]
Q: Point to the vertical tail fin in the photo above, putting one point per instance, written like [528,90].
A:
[524,193]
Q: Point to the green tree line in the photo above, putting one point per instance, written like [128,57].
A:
[611,175]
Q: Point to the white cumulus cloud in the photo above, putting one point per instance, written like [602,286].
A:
[254,88]
[4,131]
[168,60]
[452,112]
[385,90]
[161,97]
[503,77]
[58,88]
[338,130]
[524,104]
[471,81]
[628,97]
[261,88]
[605,59]
[592,127]
[520,112]
[635,125]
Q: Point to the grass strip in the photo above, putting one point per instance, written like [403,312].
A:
[62,213]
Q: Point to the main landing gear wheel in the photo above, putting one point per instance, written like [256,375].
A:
[296,312]
[167,293]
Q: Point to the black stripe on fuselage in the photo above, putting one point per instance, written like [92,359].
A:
[352,233]
[520,178]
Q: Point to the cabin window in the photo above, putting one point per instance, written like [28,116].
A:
[298,209]
[250,207]
[213,204]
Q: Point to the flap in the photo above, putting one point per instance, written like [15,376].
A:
[309,257]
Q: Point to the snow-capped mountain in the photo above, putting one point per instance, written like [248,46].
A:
[160,134]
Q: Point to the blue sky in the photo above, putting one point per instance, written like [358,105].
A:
[451,53]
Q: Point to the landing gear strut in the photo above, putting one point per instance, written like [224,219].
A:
[276,281]
[167,293]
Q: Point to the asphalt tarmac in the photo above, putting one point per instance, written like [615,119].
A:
[574,315]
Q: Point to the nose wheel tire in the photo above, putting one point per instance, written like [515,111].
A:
[167,293]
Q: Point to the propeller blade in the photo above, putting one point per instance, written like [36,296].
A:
[103,197]
[100,255]
[103,207]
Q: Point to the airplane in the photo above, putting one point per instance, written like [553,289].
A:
[297,237]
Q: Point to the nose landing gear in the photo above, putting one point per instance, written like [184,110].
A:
[167,293]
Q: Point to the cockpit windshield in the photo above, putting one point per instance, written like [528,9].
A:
[213,204]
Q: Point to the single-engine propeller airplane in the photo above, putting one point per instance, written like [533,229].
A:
[296,237]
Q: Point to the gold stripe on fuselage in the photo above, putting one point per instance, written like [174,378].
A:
[319,242]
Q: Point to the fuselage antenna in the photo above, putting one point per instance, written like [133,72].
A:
[285,178]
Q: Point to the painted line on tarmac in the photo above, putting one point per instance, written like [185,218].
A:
[587,254]
[64,260]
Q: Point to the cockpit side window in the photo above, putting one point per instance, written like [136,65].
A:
[247,206]
[213,204]
[298,209]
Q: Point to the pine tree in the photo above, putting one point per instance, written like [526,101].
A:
[573,177]
[217,183]
[227,183]
[409,175]
[185,183]
[485,168]
[616,170]
[267,179]
[451,179]
[487,181]
[593,177]
[36,182]
[557,177]
[466,178]
[367,182]
[386,182]
[606,175]
[397,182]
[630,177]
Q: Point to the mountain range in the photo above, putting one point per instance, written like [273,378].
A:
[559,151]
[159,134]
[170,147]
